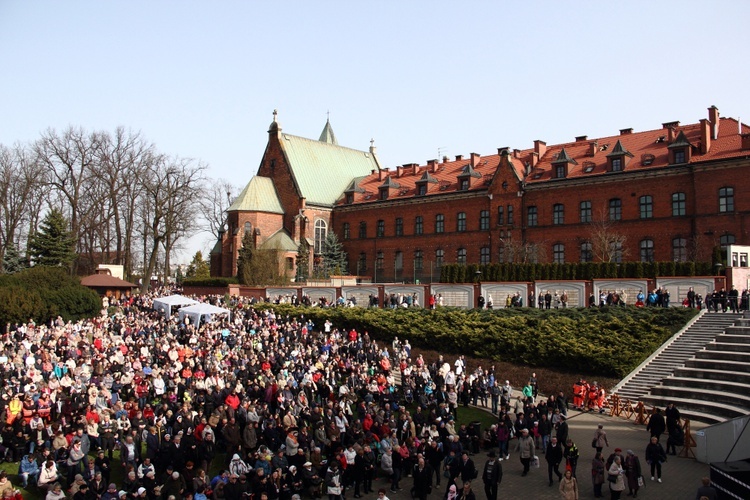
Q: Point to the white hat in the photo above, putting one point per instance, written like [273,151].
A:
[141,490]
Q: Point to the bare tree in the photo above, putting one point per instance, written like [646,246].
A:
[607,243]
[123,157]
[519,252]
[21,182]
[69,159]
[215,202]
[171,189]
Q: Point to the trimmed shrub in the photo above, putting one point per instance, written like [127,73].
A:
[210,281]
[605,342]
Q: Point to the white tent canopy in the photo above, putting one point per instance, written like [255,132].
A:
[165,304]
[201,310]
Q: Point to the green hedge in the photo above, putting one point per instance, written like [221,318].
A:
[608,341]
[42,293]
[462,273]
[209,281]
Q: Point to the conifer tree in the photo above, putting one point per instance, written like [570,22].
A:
[198,268]
[303,262]
[53,245]
[334,257]
[12,260]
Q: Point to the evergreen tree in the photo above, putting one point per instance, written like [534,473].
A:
[245,257]
[303,262]
[198,268]
[12,260]
[53,245]
[334,257]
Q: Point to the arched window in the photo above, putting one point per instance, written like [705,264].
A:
[587,251]
[726,239]
[484,255]
[461,256]
[248,228]
[615,209]
[439,257]
[647,250]
[321,231]
[558,214]
[558,253]
[679,249]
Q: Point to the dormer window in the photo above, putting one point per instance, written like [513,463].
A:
[349,198]
[422,183]
[422,189]
[679,150]
[464,178]
[560,165]
[618,157]
[384,189]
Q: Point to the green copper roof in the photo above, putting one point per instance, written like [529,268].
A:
[279,240]
[322,170]
[258,196]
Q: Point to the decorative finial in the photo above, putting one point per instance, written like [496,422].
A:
[275,112]
[372,142]
[328,115]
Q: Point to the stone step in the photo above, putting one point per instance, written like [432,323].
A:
[717,410]
[713,364]
[739,402]
[709,374]
[727,346]
[723,355]
[733,338]
[703,384]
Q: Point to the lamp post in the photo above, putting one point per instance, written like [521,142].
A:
[478,279]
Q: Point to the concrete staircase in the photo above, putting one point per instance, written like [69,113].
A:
[714,385]
[674,354]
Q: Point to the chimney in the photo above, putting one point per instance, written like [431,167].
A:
[670,124]
[745,141]
[399,171]
[593,147]
[516,153]
[713,117]
[581,138]
[540,147]
[445,159]
[475,157]
[414,169]
[626,131]
[302,203]
[671,135]
[459,157]
[705,135]
[534,159]
[383,173]
[432,166]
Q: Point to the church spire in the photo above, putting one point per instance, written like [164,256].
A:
[327,134]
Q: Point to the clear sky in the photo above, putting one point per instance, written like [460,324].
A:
[201,79]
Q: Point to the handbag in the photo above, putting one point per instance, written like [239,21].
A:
[640,481]
[612,478]
[593,443]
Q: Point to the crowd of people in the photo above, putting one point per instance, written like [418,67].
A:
[136,405]
[296,408]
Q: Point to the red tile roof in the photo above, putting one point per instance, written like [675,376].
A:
[649,150]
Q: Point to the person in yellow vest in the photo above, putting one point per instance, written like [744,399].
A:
[14,409]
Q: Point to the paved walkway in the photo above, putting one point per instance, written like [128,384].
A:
[680,476]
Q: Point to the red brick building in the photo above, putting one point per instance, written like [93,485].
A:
[673,193]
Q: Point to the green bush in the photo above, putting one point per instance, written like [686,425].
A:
[210,281]
[605,342]
[41,293]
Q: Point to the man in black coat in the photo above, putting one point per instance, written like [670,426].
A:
[466,468]
[554,456]
[656,424]
[422,479]
[492,476]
